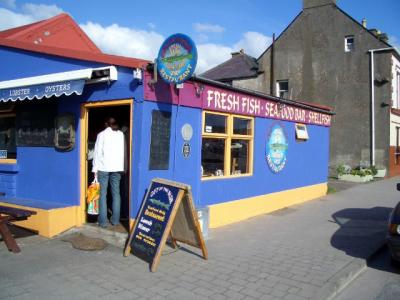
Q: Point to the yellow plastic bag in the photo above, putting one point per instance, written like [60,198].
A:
[93,196]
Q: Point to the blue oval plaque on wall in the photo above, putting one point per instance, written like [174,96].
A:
[276,148]
[177,58]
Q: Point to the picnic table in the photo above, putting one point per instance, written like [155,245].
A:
[7,215]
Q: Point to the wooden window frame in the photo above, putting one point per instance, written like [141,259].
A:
[228,137]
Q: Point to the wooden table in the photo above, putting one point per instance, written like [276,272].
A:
[7,215]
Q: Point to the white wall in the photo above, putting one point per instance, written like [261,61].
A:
[394,119]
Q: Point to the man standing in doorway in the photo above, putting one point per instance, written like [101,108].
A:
[108,164]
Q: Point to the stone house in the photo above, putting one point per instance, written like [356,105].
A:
[327,56]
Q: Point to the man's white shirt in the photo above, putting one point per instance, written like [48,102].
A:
[109,151]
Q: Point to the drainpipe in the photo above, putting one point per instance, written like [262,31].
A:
[271,69]
[372,51]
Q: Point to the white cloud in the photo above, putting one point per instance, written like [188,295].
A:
[30,13]
[115,39]
[8,3]
[254,43]
[207,27]
[10,19]
[134,42]
[210,55]
[151,25]
[41,11]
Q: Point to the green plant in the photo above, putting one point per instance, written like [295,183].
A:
[374,170]
[331,190]
[343,169]
[361,172]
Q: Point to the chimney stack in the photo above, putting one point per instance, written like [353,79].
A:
[240,52]
[316,3]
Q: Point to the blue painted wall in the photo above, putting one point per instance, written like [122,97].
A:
[180,168]
[307,162]
[42,173]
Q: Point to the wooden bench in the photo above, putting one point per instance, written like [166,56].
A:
[7,215]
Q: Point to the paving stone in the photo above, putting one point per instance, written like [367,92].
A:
[250,292]
[293,297]
[203,291]
[278,293]
[234,295]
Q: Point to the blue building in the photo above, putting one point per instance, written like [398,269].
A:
[243,153]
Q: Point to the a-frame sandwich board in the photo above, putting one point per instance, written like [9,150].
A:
[166,211]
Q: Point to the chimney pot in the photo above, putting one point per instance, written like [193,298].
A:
[240,52]
[364,22]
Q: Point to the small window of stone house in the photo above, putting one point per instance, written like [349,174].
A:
[282,88]
[349,43]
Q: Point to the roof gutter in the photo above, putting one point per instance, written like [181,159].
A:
[258,94]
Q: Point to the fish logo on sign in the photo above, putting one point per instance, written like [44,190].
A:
[177,58]
[276,149]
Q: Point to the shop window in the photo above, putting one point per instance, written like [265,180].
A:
[215,123]
[301,132]
[349,43]
[282,89]
[8,149]
[227,145]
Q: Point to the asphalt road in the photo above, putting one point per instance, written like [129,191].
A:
[379,281]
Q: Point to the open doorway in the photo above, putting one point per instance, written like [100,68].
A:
[96,115]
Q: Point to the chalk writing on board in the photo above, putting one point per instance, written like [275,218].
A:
[152,220]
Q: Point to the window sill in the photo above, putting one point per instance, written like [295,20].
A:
[8,161]
[208,178]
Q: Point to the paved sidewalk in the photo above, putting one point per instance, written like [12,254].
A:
[308,251]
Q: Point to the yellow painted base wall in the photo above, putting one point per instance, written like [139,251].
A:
[49,223]
[235,211]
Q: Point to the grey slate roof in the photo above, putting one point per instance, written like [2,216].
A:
[240,65]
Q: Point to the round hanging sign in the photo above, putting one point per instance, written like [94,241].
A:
[177,58]
[276,148]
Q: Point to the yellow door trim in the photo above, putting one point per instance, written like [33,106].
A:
[81,211]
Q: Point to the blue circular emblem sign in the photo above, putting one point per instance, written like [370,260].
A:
[276,148]
[177,58]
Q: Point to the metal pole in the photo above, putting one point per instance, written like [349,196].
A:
[373,101]
[272,79]
[372,110]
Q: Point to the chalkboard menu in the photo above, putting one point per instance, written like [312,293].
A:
[167,205]
[35,125]
[160,140]
[153,219]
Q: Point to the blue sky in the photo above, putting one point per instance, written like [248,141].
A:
[137,28]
